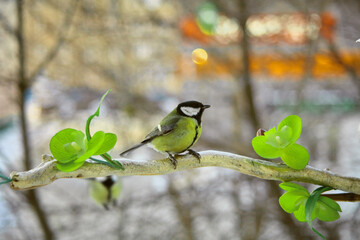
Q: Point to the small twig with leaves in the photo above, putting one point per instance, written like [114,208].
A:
[72,147]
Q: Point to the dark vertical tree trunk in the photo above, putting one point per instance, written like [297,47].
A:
[31,195]
[22,84]
[246,76]
[285,218]
[183,212]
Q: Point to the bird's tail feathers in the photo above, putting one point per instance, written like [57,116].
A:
[132,148]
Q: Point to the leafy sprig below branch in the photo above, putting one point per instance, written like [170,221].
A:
[306,207]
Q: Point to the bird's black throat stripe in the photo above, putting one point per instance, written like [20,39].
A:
[196,134]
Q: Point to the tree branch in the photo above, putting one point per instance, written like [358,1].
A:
[47,172]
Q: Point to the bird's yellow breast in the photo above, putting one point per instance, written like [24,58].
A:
[184,135]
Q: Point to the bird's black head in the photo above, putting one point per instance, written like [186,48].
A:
[192,109]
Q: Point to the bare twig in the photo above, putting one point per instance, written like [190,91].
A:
[6,26]
[348,68]
[343,197]
[63,32]
[6,81]
[47,172]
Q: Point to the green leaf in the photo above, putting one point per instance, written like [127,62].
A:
[330,203]
[325,213]
[93,146]
[85,156]
[263,149]
[317,233]
[69,167]
[109,139]
[271,138]
[108,143]
[300,214]
[310,206]
[97,113]
[97,140]
[295,156]
[61,145]
[327,209]
[295,123]
[279,139]
[291,201]
[289,186]
[285,133]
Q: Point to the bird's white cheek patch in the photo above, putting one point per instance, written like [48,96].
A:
[190,111]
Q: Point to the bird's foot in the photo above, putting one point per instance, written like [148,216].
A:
[173,160]
[195,154]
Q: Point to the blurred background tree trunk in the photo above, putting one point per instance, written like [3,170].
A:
[22,86]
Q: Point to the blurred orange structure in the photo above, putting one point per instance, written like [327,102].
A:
[191,30]
[287,29]
[328,23]
[277,67]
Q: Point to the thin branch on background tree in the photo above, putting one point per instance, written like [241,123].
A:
[62,35]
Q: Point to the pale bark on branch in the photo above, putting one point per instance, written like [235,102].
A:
[47,172]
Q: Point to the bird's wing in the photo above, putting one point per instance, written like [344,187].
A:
[164,127]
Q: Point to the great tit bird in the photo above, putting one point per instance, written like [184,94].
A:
[177,132]
[105,191]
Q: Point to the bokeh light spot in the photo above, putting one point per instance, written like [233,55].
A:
[199,56]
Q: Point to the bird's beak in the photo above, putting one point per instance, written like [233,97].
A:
[206,106]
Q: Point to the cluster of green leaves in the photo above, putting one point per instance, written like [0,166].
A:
[306,207]
[280,142]
[71,147]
